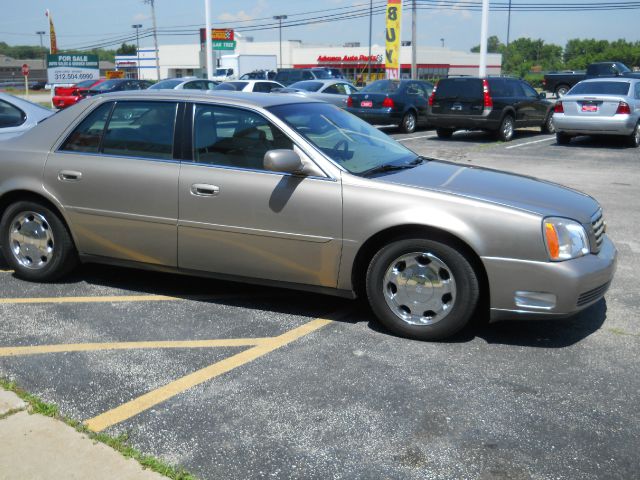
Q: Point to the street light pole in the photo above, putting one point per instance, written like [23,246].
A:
[208,47]
[280,18]
[442,40]
[41,33]
[155,35]
[137,26]
[484,32]
[370,28]
[414,36]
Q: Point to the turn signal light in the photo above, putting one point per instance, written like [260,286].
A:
[488,101]
[349,101]
[558,108]
[552,240]
[623,109]
[388,103]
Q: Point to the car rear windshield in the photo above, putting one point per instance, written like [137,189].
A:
[308,85]
[605,88]
[459,88]
[166,84]
[85,84]
[108,85]
[382,86]
[238,86]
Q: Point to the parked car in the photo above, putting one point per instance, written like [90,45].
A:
[288,191]
[287,76]
[260,86]
[330,91]
[118,85]
[65,96]
[334,72]
[494,104]
[185,83]
[260,75]
[392,102]
[601,106]
[561,83]
[18,115]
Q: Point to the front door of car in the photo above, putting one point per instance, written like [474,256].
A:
[236,218]
[533,109]
[118,182]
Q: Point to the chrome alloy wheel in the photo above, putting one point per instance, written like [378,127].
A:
[31,240]
[507,128]
[410,122]
[419,288]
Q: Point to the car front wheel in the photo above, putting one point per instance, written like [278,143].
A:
[35,242]
[422,289]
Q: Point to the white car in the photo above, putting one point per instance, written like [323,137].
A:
[185,83]
[18,115]
[261,86]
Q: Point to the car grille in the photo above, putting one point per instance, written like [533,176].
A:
[591,295]
[598,227]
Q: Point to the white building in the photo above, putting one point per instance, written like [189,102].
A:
[187,60]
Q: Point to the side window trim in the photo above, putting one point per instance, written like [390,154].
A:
[105,128]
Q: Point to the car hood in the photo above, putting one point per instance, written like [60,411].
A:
[516,191]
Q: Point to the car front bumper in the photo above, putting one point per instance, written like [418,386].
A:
[573,284]
[615,125]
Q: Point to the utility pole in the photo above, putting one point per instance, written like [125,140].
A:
[370,28]
[208,47]
[414,35]
[280,18]
[41,33]
[484,32]
[155,35]
[137,26]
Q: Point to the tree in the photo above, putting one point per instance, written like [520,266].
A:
[126,49]
[493,45]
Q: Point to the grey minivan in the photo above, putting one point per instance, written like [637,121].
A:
[287,191]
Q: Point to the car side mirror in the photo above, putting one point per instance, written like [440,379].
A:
[542,95]
[283,161]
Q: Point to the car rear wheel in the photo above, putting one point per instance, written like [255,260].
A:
[408,124]
[562,90]
[444,132]
[634,139]
[36,243]
[562,138]
[505,132]
[548,125]
[422,289]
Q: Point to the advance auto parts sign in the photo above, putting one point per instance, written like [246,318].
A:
[392,50]
[63,68]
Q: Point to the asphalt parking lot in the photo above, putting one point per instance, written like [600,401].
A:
[233,381]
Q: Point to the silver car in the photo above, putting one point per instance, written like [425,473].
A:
[285,191]
[184,83]
[334,91]
[18,115]
[600,106]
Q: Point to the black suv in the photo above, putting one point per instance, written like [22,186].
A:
[287,76]
[495,104]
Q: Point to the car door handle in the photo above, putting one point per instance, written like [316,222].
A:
[69,176]
[204,190]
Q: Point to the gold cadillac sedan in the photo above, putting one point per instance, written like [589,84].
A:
[291,192]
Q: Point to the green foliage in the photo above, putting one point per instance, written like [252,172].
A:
[493,45]
[579,53]
[24,52]
[126,49]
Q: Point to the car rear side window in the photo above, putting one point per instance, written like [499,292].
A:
[141,129]
[638,91]
[11,116]
[605,88]
[88,134]
[233,137]
[459,88]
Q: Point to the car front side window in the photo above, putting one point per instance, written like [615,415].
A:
[233,137]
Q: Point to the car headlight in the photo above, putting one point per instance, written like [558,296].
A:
[564,239]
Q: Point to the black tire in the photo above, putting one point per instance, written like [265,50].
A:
[463,302]
[63,257]
[548,125]
[408,124]
[507,128]
[562,138]
[561,90]
[444,132]
[634,138]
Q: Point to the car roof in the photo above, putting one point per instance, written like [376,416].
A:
[610,79]
[324,81]
[248,99]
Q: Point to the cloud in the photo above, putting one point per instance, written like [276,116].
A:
[140,17]
[240,16]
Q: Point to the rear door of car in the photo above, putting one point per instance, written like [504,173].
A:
[418,96]
[236,218]
[458,97]
[536,109]
[116,176]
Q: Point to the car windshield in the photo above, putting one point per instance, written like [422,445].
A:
[344,138]
[85,84]
[308,85]
[604,88]
[237,86]
[108,85]
[321,73]
[166,84]
[382,86]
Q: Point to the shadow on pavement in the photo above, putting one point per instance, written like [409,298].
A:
[583,141]
[475,136]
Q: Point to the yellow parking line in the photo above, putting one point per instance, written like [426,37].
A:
[148,400]
[112,299]
[94,347]
[6,271]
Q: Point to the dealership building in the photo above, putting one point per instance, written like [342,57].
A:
[353,59]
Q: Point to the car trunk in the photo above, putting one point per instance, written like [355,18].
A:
[590,106]
[66,91]
[368,100]
[458,96]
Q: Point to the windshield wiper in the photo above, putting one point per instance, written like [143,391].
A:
[391,168]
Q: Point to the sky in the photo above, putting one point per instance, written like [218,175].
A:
[80,23]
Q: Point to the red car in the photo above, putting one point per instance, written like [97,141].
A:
[66,96]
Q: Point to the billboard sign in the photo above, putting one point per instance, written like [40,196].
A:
[67,68]
[392,50]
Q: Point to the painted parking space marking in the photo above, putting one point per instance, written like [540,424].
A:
[530,143]
[407,139]
[113,299]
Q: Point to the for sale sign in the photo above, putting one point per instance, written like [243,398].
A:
[66,68]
